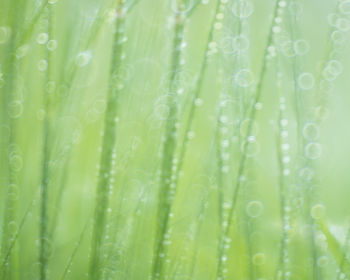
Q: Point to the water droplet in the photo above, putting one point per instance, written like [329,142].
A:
[322,112]
[313,150]
[244,78]
[50,87]
[242,8]
[83,58]
[15,109]
[332,19]
[254,208]
[22,51]
[42,38]
[344,7]
[182,7]
[306,81]
[4,34]
[295,9]
[301,47]
[198,102]
[191,135]
[318,211]
[162,111]
[276,29]
[240,43]
[287,48]
[51,45]
[248,126]
[343,24]
[322,261]
[100,106]
[306,173]
[259,259]
[16,163]
[258,106]
[310,131]
[334,67]
[42,65]
[13,191]
[337,37]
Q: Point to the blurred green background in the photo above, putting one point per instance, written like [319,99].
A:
[292,215]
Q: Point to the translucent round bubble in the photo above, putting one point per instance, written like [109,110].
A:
[322,112]
[322,261]
[328,75]
[306,173]
[287,48]
[13,191]
[92,116]
[343,24]
[326,86]
[42,38]
[50,87]
[15,109]
[228,108]
[4,34]
[344,7]
[100,106]
[62,90]
[244,78]
[163,106]
[318,211]
[198,102]
[42,65]
[311,131]
[332,19]
[226,45]
[248,126]
[250,147]
[48,246]
[83,58]
[51,45]
[276,29]
[313,150]
[301,47]
[161,111]
[242,8]
[22,51]
[240,43]
[259,259]
[335,67]
[16,163]
[254,208]
[295,9]
[306,81]
[182,8]
[338,37]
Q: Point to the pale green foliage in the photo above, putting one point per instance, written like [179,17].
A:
[177,139]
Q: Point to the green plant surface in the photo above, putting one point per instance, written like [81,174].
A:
[174,140]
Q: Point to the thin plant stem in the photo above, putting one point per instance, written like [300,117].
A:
[241,166]
[108,149]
